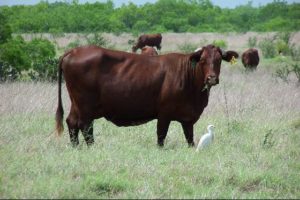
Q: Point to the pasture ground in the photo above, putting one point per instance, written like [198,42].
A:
[256,152]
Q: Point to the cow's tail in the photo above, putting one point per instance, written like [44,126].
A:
[59,111]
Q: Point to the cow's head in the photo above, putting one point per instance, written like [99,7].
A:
[209,59]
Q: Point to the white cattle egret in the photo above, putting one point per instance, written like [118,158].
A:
[207,138]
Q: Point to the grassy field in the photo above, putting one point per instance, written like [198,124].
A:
[170,41]
[256,152]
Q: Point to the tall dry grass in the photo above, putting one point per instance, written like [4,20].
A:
[170,41]
[255,153]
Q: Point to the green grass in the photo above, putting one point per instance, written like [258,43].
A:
[256,152]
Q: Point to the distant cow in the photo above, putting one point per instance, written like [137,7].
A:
[131,89]
[250,59]
[151,51]
[148,40]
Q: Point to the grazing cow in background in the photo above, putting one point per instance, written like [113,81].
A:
[250,59]
[131,89]
[148,40]
[151,51]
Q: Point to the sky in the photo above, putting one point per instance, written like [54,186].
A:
[221,3]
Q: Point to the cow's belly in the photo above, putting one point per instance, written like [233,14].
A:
[130,104]
[124,113]
[127,122]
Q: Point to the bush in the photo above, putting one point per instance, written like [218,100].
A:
[7,72]
[15,55]
[98,40]
[284,72]
[35,58]
[252,42]
[220,43]
[295,52]
[282,47]
[39,49]
[44,70]
[296,70]
[74,44]
[268,48]
[284,36]
[5,30]
[187,47]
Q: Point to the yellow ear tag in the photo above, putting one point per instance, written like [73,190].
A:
[233,61]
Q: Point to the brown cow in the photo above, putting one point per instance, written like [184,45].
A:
[148,40]
[150,51]
[131,89]
[250,59]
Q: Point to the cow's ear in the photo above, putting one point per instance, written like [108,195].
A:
[229,55]
[195,57]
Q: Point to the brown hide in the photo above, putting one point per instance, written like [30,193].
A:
[250,58]
[148,40]
[130,89]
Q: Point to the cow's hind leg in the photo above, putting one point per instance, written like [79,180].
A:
[73,130]
[162,130]
[188,130]
[87,131]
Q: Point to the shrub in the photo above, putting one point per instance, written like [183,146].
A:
[296,70]
[282,47]
[98,40]
[284,36]
[44,70]
[74,44]
[252,42]
[5,29]
[7,72]
[131,42]
[267,47]
[35,58]
[14,54]
[220,43]
[283,73]
[295,52]
[43,63]
[187,47]
[40,49]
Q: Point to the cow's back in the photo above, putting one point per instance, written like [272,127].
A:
[250,58]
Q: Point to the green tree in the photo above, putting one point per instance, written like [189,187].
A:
[43,63]
[39,49]
[14,54]
[5,30]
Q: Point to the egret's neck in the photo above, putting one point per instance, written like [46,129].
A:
[211,132]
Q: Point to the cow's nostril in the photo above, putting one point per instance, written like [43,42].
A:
[212,80]
[211,77]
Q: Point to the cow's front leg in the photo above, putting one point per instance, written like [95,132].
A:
[162,130]
[188,129]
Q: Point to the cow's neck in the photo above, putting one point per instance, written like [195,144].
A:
[197,78]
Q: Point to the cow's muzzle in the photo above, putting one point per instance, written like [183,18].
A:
[212,80]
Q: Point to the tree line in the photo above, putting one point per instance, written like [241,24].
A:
[37,59]
[162,16]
